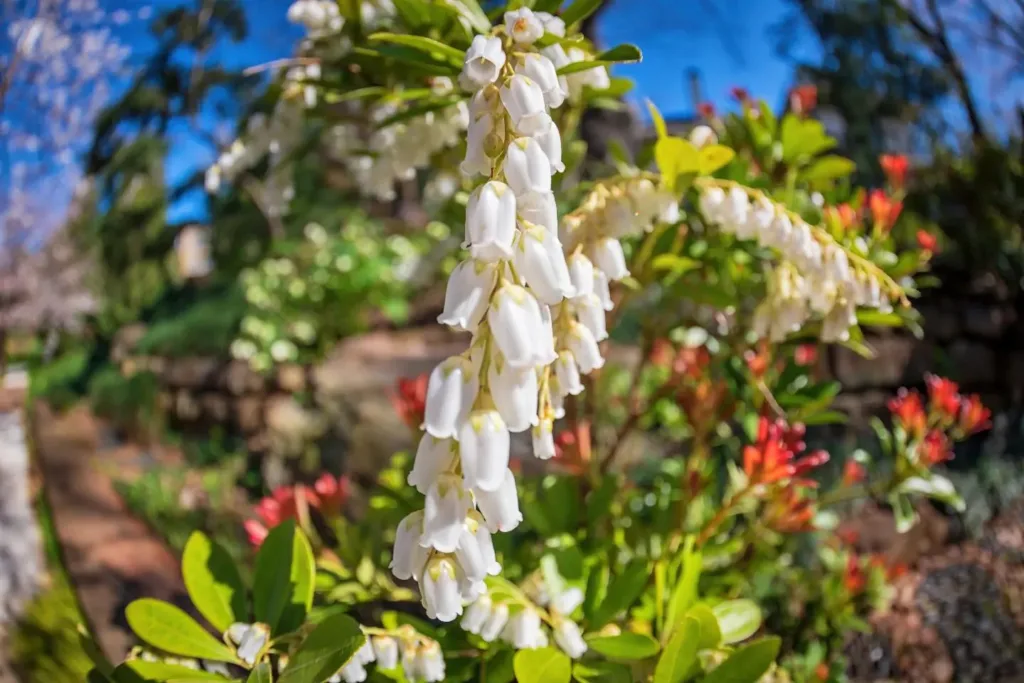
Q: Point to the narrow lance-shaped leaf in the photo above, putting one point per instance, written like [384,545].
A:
[580,10]
[435,49]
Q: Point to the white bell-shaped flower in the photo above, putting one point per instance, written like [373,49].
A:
[581,274]
[550,141]
[483,63]
[736,208]
[515,321]
[759,220]
[566,602]
[546,343]
[408,553]
[552,24]
[590,312]
[470,590]
[470,556]
[476,615]
[467,294]
[603,291]
[440,589]
[500,507]
[365,653]
[444,514]
[558,404]
[568,637]
[485,543]
[836,325]
[451,390]
[491,221]
[433,456]
[495,624]
[353,672]
[711,201]
[568,374]
[544,440]
[608,257]
[524,628]
[541,262]
[584,348]
[514,391]
[526,167]
[542,71]
[484,449]
[523,25]
[539,208]
[477,161]
[431,662]
[524,102]
[385,649]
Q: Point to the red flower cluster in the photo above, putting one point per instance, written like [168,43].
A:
[853,473]
[773,457]
[947,417]
[927,241]
[943,396]
[884,210]
[410,400]
[803,99]
[328,494]
[907,409]
[790,511]
[895,167]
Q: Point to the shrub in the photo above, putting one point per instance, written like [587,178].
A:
[131,404]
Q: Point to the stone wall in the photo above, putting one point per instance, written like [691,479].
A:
[973,333]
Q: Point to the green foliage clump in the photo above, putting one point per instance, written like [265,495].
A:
[129,403]
[205,328]
[58,382]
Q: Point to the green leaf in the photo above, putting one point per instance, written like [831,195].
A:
[622,592]
[579,10]
[685,592]
[547,6]
[284,579]
[620,54]
[658,119]
[261,674]
[327,648]
[420,109]
[161,671]
[936,487]
[828,417]
[412,57]
[625,646]
[472,11]
[435,49]
[679,654]
[168,628]
[675,157]
[213,582]
[710,633]
[597,589]
[747,664]
[546,665]
[601,672]
[714,157]
[827,168]
[737,619]
[499,668]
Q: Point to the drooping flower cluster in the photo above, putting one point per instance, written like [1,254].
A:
[520,620]
[420,657]
[397,150]
[817,276]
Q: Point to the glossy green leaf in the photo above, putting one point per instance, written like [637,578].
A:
[597,589]
[434,48]
[679,654]
[747,664]
[325,650]
[168,628]
[284,579]
[499,667]
[684,594]
[625,645]
[658,120]
[828,168]
[409,56]
[622,592]
[602,672]
[546,665]
[471,10]
[714,157]
[579,10]
[737,619]
[160,671]
[213,582]
[675,157]
[620,54]
[261,674]
[710,633]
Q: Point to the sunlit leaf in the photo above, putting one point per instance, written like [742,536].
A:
[213,582]
[545,665]
[679,654]
[737,619]
[325,650]
[170,629]
[625,646]
[747,664]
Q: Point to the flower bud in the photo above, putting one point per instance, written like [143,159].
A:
[581,273]
[476,615]
[385,649]
[584,349]
[525,632]
[495,623]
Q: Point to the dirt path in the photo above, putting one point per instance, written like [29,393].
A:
[111,557]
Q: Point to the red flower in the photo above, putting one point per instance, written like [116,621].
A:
[884,211]
[790,511]
[706,110]
[907,409]
[844,215]
[410,400]
[943,396]
[772,457]
[927,241]
[935,448]
[741,95]
[821,671]
[853,473]
[974,416]
[895,167]
[803,99]
[854,578]
[256,532]
[758,361]
[806,354]
[332,492]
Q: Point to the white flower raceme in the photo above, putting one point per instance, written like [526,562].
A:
[421,657]
[816,276]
